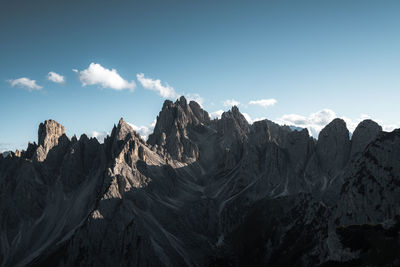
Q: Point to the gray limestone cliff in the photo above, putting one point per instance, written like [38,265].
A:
[202,192]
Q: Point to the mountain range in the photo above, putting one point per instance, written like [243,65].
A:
[202,192]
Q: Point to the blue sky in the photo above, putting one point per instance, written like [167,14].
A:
[316,59]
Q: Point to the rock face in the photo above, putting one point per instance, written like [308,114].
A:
[372,183]
[364,134]
[333,147]
[173,128]
[49,133]
[203,192]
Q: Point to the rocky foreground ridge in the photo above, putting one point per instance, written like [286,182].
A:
[203,192]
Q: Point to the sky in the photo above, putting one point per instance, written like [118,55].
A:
[86,64]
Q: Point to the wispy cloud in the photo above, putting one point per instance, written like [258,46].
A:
[195,97]
[106,78]
[144,131]
[27,83]
[263,102]
[315,122]
[166,91]
[55,77]
[250,120]
[99,135]
[231,103]
[216,114]
[390,127]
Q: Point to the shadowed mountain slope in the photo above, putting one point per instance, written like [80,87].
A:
[200,192]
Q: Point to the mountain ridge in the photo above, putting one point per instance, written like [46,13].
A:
[193,194]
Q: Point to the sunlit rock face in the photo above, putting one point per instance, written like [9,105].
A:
[48,135]
[202,192]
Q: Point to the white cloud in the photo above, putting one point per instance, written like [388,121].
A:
[315,122]
[99,135]
[25,83]
[389,127]
[195,97]
[144,131]
[165,91]
[248,118]
[231,103]
[97,74]
[216,114]
[263,102]
[55,77]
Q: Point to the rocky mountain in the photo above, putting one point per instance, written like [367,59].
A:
[4,154]
[203,192]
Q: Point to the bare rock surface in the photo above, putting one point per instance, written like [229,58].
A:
[333,147]
[202,192]
[48,134]
[364,134]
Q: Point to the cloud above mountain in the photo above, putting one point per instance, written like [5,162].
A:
[99,135]
[195,97]
[26,83]
[166,91]
[231,103]
[96,74]
[55,77]
[144,130]
[315,122]
[216,114]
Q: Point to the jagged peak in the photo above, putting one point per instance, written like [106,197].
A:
[265,129]
[49,129]
[182,102]
[233,123]
[122,130]
[235,109]
[199,112]
[48,134]
[236,115]
[337,125]
[74,139]
[174,125]
[30,151]
[179,113]
[231,113]
[167,103]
